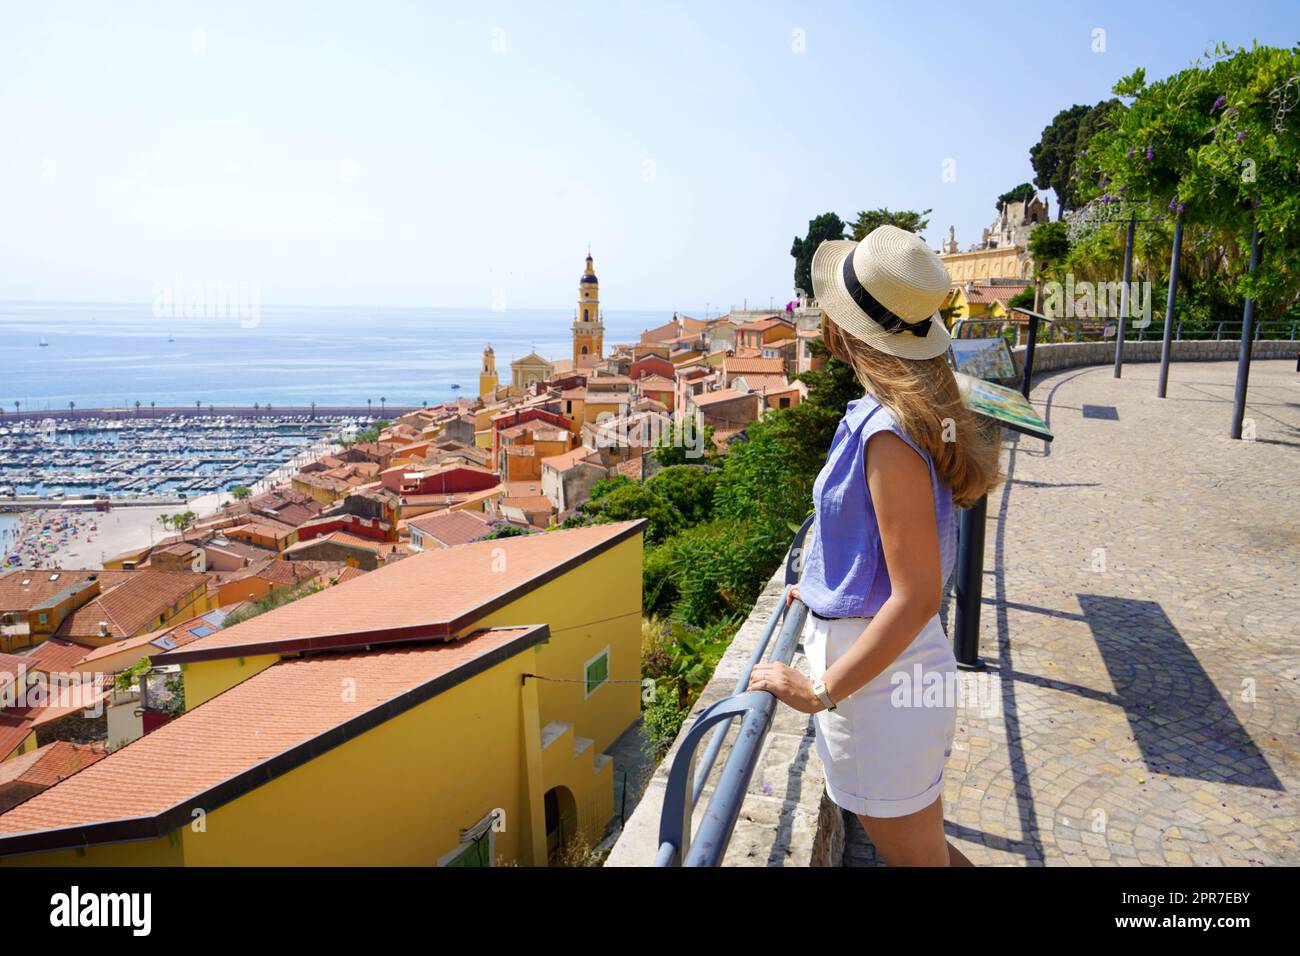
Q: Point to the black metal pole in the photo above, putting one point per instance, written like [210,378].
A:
[969,585]
[1243,357]
[1028,371]
[1167,347]
[1124,296]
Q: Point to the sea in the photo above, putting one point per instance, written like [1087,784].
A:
[113,355]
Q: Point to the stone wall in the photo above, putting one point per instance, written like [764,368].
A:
[1058,355]
[786,819]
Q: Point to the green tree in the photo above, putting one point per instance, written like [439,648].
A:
[688,489]
[634,500]
[505,531]
[1215,145]
[1059,148]
[241,492]
[184,520]
[826,226]
[908,219]
[1022,193]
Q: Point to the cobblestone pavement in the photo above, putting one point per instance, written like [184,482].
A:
[1140,622]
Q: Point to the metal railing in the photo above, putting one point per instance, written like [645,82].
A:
[686,779]
[1094,330]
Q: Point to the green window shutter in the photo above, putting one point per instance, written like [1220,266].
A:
[597,672]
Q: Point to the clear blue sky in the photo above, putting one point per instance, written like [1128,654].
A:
[385,153]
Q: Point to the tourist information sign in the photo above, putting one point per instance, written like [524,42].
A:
[983,358]
[1004,405]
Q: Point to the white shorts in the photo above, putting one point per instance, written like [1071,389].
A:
[885,746]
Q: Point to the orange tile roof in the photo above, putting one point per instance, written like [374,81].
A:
[656,383]
[570,459]
[984,294]
[739,365]
[759,383]
[55,656]
[47,765]
[453,527]
[430,594]
[23,590]
[132,605]
[721,395]
[166,638]
[529,503]
[341,538]
[220,750]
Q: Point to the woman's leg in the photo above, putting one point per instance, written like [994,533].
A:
[914,840]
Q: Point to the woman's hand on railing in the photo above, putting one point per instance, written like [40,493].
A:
[792,594]
[787,685]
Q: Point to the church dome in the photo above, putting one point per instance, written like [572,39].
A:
[588,280]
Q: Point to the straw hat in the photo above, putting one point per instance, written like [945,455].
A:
[885,290]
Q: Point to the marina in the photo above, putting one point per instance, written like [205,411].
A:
[159,460]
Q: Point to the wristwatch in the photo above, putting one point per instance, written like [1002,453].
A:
[820,690]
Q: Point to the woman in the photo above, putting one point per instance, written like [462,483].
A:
[882,544]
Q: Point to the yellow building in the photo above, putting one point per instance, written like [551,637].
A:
[588,323]
[451,709]
[529,369]
[487,376]
[1005,263]
[981,301]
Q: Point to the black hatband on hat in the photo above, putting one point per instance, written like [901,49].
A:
[869,304]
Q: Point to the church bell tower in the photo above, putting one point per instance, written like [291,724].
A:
[487,375]
[588,323]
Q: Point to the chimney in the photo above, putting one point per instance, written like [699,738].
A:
[103,629]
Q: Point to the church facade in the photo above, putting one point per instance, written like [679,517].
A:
[1003,249]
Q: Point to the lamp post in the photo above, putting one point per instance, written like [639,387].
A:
[1243,357]
[1124,296]
[1166,347]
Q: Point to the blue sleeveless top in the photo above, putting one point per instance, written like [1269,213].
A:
[844,573]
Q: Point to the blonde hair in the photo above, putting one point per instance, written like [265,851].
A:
[923,397]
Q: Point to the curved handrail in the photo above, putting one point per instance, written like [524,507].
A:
[756,709]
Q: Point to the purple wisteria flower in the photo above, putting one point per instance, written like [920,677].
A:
[1131,151]
[1219,102]
[1151,153]
[1241,136]
[1180,208]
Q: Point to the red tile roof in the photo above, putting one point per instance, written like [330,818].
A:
[220,749]
[430,594]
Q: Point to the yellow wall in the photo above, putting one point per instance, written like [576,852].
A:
[607,590]
[27,745]
[206,679]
